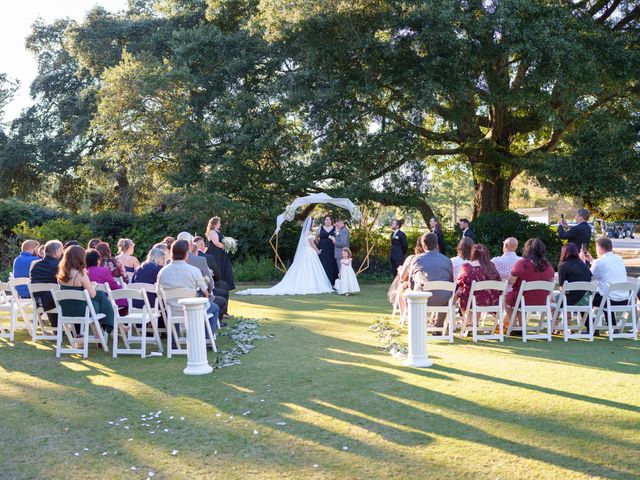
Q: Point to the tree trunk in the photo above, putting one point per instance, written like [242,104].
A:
[490,191]
[126,201]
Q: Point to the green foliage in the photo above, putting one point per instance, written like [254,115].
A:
[109,225]
[492,228]
[13,211]
[60,229]
[254,269]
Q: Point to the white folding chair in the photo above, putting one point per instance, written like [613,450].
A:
[8,310]
[137,318]
[39,331]
[23,305]
[532,317]
[89,321]
[628,313]
[175,320]
[448,326]
[485,319]
[576,318]
[155,306]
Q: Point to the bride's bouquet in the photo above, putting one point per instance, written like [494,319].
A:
[230,245]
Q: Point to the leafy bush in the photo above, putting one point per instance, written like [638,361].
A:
[492,228]
[255,269]
[13,211]
[109,225]
[151,228]
[60,229]
[9,249]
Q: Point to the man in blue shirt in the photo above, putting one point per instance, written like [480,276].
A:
[22,264]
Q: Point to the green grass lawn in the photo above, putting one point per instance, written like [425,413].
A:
[489,410]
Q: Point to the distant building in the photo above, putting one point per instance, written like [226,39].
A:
[536,214]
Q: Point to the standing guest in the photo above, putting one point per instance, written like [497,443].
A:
[45,271]
[107,260]
[216,248]
[436,267]
[437,229]
[102,275]
[505,262]
[325,240]
[572,269]
[211,263]
[179,274]
[464,255]
[532,267]
[479,269]
[72,275]
[399,246]
[148,273]
[580,234]
[93,242]
[608,268]
[126,258]
[348,282]
[168,241]
[466,231]
[340,242]
[22,264]
[201,264]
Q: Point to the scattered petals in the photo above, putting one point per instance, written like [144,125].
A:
[174,452]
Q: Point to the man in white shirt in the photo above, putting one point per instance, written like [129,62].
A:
[608,268]
[179,274]
[505,262]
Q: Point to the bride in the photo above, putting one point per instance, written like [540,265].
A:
[305,276]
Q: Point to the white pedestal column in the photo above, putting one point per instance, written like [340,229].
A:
[195,315]
[417,329]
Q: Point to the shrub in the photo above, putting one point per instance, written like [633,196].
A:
[13,212]
[254,269]
[491,229]
[109,225]
[61,229]
[151,228]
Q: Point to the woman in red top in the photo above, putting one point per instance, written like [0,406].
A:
[533,266]
[479,269]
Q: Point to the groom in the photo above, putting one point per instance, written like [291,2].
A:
[341,240]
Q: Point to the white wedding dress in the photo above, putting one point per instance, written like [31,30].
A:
[305,275]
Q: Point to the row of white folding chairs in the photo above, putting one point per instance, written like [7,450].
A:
[537,321]
[14,308]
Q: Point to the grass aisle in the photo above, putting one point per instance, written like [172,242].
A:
[320,401]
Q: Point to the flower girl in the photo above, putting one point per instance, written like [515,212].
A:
[347,282]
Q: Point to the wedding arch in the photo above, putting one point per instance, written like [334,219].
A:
[290,212]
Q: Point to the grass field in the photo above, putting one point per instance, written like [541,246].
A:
[320,401]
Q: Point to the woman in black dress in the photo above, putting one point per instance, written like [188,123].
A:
[215,247]
[327,248]
[437,229]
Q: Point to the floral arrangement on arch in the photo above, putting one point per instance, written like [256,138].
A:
[289,213]
[356,214]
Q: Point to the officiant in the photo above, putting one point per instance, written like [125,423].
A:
[340,240]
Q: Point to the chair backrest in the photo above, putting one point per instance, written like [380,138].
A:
[630,288]
[128,294]
[439,285]
[538,285]
[165,295]
[148,287]
[579,286]
[16,282]
[490,285]
[4,288]
[62,295]
[43,287]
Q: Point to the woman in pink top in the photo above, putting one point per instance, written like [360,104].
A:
[479,269]
[102,275]
[533,266]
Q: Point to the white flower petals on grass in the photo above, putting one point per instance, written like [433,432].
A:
[243,335]
[246,413]
[255,432]
[345,448]
[281,424]
[174,452]
[105,453]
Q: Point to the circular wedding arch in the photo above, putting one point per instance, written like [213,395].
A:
[289,214]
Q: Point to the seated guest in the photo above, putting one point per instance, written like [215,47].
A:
[168,241]
[40,251]
[148,273]
[572,269]
[70,243]
[580,234]
[125,256]
[93,242]
[107,260]
[162,246]
[45,271]
[401,283]
[102,275]
[505,262]
[22,264]
[532,267]
[201,264]
[179,274]
[479,269]
[72,275]
[464,255]
[608,268]
[436,267]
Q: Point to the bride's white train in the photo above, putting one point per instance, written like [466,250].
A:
[305,276]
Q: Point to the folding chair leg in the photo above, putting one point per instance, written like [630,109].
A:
[143,346]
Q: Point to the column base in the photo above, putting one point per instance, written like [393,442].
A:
[199,369]
[423,362]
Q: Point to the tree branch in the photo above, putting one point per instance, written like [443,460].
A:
[632,15]
[609,11]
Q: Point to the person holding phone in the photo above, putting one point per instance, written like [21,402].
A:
[580,233]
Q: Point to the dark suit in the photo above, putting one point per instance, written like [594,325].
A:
[578,234]
[220,296]
[399,246]
[441,244]
[45,271]
[469,233]
[215,272]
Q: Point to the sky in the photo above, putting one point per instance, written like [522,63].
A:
[15,25]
